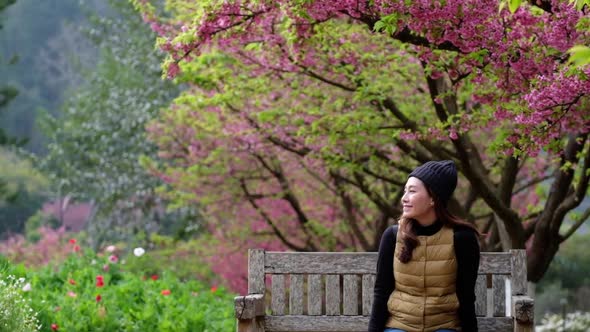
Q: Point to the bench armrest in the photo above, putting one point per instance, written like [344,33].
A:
[249,306]
[523,311]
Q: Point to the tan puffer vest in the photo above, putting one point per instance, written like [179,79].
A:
[425,298]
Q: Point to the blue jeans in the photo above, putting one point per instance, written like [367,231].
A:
[398,330]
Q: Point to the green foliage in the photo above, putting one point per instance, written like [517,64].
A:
[16,314]
[98,141]
[24,190]
[574,322]
[47,50]
[580,55]
[71,296]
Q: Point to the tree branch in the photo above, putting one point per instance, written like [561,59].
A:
[575,226]
[268,220]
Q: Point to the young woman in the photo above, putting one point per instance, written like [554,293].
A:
[427,265]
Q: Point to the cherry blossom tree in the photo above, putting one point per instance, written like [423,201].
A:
[303,118]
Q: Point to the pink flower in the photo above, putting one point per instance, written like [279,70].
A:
[110,248]
[72,294]
[73,241]
[166,292]
[105,267]
[54,327]
[76,248]
[154,277]
[113,259]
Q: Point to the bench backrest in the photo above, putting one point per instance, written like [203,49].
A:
[328,291]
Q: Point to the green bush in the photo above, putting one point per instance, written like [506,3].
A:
[95,292]
[16,314]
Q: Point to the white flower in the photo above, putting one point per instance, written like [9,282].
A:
[27,287]
[110,248]
[138,251]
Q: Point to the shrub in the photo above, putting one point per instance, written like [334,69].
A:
[16,314]
[95,292]
[574,322]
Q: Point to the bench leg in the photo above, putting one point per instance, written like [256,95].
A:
[523,313]
[250,325]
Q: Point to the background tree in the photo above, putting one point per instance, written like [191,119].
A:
[463,81]
[97,142]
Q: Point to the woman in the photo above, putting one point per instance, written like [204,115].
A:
[427,265]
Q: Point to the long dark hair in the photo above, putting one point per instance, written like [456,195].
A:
[407,227]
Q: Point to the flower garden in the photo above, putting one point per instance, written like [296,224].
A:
[109,291]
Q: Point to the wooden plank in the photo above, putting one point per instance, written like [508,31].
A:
[249,306]
[278,294]
[358,323]
[519,281]
[368,287]
[332,294]
[499,295]
[358,262]
[320,262]
[314,294]
[256,271]
[316,323]
[296,295]
[494,263]
[495,324]
[480,295]
[350,296]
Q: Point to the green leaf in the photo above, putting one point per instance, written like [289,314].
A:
[580,55]
[513,5]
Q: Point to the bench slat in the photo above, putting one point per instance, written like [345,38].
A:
[296,295]
[278,294]
[480,295]
[256,271]
[358,323]
[519,280]
[499,289]
[320,263]
[314,294]
[368,286]
[351,294]
[359,263]
[332,295]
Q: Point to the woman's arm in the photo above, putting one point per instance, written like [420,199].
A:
[467,253]
[384,282]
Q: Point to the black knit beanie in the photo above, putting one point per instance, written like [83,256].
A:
[439,176]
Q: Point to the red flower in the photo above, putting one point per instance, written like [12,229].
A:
[213,289]
[98,298]
[76,248]
[154,277]
[72,282]
[166,292]
[99,281]
[54,327]
[73,241]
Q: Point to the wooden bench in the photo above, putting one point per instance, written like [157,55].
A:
[329,291]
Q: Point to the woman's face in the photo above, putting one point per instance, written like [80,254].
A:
[417,203]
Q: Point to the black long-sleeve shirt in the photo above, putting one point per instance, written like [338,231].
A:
[467,254]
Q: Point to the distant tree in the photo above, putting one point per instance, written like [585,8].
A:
[98,141]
